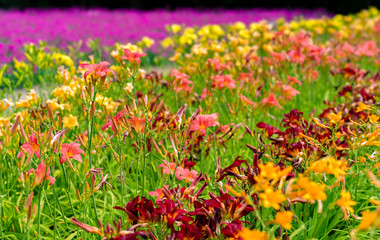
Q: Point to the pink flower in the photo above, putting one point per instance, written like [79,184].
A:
[169,168]
[184,173]
[217,65]
[132,57]
[42,174]
[202,122]
[31,147]
[271,101]
[159,193]
[71,150]
[224,81]
[97,70]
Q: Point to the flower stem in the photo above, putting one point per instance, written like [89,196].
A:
[39,212]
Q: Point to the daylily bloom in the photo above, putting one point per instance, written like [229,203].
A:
[184,173]
[271,101]
[247,234]
[70,121]
[138,124]
[362,107]
[224,81]
[159,193]
[71,150]
[202,122]
[284,219]
[132,57]
[169,168]
[346,202]
[42,174]
[31,147]
[117,120]
[96,70]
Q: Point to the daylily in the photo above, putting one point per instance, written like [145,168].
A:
[42,174]
[71,150]
[271,101]
[202,122]
[31,147]
[97,70]
[132,57]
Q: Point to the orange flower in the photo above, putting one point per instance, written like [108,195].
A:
[284,219]
[346,202]
[362,107]
[247,234]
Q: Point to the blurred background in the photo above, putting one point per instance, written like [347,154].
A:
[333,6]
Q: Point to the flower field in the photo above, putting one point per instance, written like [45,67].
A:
[259,130]
[60,27]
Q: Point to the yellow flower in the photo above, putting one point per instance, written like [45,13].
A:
[369,219]
[346,202]
[329,165]
[175,28]
[247,234]
[70,121]
[362,159]
[167,42]
[148,42]
[284,219]
[5,103]
[271,198]
[373,118]
[335,118]
[362,107]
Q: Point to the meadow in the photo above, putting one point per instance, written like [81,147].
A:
[214,130]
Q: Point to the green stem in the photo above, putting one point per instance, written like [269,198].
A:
[68,188]
[39,213]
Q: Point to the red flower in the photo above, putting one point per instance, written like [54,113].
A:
[97,70]
[202,122]
[132,57]
[117,120]
[31,147]
[71,150]
[42,174]
[271,101]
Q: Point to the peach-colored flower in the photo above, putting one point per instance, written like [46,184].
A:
[184,173]
[169,167]
[221,81]
[159,193]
